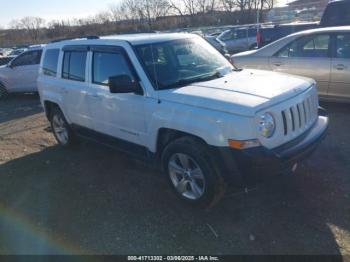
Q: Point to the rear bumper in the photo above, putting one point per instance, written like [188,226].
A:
[257,164]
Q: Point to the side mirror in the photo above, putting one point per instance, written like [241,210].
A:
[123,84]
[228,57]
[10,65]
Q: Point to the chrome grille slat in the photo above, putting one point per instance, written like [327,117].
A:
[309,108]
[305,112]
[296,118]
[299,115]
[289,120]
[302,112]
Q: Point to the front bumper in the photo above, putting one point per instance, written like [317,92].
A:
[257,164]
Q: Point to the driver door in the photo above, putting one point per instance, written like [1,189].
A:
[23,72]
[121,116]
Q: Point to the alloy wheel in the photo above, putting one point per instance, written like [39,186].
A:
[186,176]
[60,129]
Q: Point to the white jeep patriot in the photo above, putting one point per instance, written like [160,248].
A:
[175,99]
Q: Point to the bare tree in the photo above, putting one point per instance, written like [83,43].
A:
[204,6]
[228,5]
[153,9]
[32,25]
[103,17]
[116,12]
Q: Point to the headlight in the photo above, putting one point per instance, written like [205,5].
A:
[267,125]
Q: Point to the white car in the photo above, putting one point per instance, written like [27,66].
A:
[175,99]
[21,73]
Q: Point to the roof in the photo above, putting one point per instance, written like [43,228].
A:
[35,47]
[133,39]
[137,39]
[325,30]
[305,3]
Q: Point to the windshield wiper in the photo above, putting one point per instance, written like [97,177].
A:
[188,81]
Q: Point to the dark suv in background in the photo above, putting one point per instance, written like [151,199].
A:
[337,13]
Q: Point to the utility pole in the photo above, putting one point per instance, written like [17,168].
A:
[258,36]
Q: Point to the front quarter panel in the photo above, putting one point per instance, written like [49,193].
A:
[252,62]
[214,127]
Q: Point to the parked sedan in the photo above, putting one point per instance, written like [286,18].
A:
[322,54]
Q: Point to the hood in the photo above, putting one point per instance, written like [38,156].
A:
[251,52]
[243,93]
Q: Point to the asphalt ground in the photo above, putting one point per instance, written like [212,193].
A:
[93,200]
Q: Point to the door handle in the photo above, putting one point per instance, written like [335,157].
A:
[278,63]
[95,96]
[64,90]
[340,67]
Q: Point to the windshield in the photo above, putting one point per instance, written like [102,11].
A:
[177,63]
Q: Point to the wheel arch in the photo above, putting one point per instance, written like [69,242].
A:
[48,106]
[167,135]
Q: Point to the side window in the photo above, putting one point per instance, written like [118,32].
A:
[28,58]
[74,64]
[252,32]
[50,62]
[343,46]
[228,35]
[106,65]
[310,46]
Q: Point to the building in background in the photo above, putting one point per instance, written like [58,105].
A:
[298,10]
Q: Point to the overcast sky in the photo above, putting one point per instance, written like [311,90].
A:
[53,9]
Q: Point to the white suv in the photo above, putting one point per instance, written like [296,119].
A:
[21,73]
[175,99]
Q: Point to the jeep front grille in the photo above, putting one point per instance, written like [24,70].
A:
[301,116]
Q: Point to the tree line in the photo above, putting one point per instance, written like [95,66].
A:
[137,16]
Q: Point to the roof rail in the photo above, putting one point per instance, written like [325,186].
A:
[90,37]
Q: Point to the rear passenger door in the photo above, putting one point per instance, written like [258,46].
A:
[74,87]
[117,115]
[307,56]
[340,78]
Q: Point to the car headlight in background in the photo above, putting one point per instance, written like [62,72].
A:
[267,125]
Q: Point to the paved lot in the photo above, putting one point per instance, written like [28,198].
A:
[92,200]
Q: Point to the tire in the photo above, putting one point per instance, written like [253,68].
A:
[192,173]
[61,129]
[3,92]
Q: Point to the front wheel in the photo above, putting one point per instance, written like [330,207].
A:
[61,128]
[192,173]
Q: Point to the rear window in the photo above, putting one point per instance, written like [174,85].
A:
[50,62]
[74,63]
